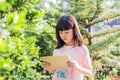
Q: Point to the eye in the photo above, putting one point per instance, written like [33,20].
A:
[66,31]
[60,32]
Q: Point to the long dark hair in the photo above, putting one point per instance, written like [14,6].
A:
[67,22]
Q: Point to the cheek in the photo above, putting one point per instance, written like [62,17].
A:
[60,36]
[70,36]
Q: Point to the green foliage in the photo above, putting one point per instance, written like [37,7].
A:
[18,57]
[53,14]
[46,43]
[27,33]
[15,23]
[90,12]
[4,6]
[19,54]
[105,41]
[105,53]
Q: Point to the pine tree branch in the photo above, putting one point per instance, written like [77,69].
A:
[107,17]
[97,11]
[113,30]
[110,39]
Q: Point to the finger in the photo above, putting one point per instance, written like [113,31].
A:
[46,65]
[70,65]
[44,62]
[69,62]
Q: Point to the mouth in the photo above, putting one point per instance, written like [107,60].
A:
[65,39]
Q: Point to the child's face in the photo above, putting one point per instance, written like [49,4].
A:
[67,36]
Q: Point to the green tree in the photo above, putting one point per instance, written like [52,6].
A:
[91,12]
[19,30]
[105,53]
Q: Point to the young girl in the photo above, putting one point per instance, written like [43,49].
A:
[70,43]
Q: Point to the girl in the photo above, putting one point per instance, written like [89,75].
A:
[70,42]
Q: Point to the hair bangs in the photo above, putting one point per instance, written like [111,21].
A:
[64,24]
[64,27]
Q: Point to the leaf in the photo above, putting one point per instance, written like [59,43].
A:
[2,61]
[20,22]
[2,44]
[9,20]
[8,6]
[2,6]
[1,78]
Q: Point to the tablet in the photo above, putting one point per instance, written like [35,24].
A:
[56,62]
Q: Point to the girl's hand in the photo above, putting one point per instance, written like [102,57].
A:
[45,65]
[73,64]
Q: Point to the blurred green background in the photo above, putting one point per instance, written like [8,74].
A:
[27,32]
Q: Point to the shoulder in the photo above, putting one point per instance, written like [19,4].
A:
[56,51]
[83,49]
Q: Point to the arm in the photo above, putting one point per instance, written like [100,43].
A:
[47,65]
[86,67]
[83,70]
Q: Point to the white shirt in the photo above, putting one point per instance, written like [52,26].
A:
[77,53]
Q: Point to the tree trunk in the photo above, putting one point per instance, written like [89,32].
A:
[90,40]
[89,36]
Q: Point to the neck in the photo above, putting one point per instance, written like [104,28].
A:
[70,44]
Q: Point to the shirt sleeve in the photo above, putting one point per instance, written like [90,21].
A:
[54,52]
[86,58]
